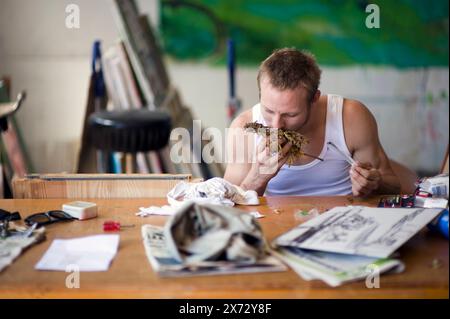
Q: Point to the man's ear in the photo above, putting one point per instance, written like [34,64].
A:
[316,96]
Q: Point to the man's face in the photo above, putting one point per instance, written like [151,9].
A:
[287,109]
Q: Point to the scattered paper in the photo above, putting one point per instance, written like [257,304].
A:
[257,214]
[215,191]
[169,210]
[212,191]
[358,230]
[92,253]
[156,210]
[302,216]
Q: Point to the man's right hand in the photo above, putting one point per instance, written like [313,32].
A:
[264,166]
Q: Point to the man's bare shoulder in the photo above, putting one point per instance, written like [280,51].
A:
[242,119]
[356,113]
[360,125]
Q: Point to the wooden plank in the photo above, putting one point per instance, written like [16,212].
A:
[109,176]
[97,185]
[444,166]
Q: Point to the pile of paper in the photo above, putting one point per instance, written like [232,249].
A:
[437,185]
[350,243]
[433,192]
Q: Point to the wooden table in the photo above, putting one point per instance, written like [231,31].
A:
[131,276]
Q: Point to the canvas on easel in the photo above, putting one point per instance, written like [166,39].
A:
[96,100]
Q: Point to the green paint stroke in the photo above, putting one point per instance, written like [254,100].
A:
[412,33]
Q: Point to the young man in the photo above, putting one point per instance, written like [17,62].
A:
[288,82]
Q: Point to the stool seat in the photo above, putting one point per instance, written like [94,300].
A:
[129,131]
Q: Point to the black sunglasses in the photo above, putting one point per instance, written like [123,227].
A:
[5,215]
[49,217]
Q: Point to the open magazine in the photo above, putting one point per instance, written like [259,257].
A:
[166,266]
[358,230]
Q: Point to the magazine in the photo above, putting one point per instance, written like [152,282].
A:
[335,269]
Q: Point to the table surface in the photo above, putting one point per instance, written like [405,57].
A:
[131,276]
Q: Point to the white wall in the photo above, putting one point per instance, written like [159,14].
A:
[52,63]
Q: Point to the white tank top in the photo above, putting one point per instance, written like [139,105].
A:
[317,178]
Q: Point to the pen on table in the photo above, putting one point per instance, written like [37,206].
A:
[350,160]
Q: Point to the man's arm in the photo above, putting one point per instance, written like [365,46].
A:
[373,172]
[248,166]
[238,165]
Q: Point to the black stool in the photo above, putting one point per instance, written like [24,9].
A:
[128,131]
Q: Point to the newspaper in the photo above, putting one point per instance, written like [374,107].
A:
[20,239]
[358,230]
[165,265]
[335,269]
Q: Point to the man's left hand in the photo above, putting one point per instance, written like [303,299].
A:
[365,179]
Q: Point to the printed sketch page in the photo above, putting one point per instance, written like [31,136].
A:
[358,230]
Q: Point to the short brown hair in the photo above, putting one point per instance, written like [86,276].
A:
[288,68]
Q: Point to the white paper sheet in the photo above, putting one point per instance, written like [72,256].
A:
[92,253]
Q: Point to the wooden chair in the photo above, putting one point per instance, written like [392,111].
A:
[83,186]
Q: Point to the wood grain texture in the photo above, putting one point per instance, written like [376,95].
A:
[131,276]
[97,185]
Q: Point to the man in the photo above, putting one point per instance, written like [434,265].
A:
[288,82]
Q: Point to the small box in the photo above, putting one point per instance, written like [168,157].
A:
[80,210]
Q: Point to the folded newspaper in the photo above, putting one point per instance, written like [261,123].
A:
[205,239]
[166,265]
[18,240]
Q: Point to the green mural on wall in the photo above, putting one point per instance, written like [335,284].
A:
[412,33]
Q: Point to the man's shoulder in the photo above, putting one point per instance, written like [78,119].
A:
[360,126]
[356,111]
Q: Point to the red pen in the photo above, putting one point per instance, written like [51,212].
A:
[111,225]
